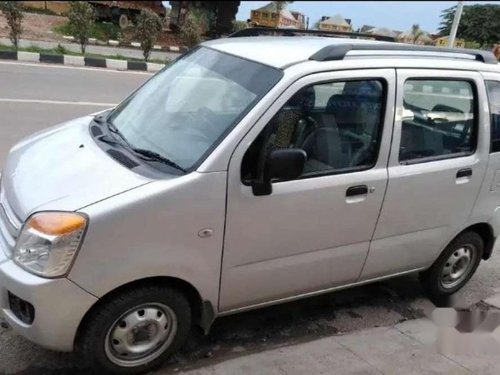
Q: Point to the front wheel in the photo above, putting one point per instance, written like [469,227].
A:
[455,266]
[136,330]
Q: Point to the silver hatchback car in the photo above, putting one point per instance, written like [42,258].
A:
[252,171]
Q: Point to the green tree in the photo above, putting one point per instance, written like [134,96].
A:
[204,18]
[81,21]
[12,10]
[239,25]
[479,23]
[147,29]
[316,24]
[447,16]
[190,31]
[278,7]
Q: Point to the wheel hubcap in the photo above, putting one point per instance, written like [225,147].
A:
[141,335]
[457,267]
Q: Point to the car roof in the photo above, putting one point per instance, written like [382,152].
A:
[283,51]
[279,51]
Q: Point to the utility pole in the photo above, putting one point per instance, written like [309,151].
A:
[454,26]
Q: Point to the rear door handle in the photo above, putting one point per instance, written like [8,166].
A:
[356,190]
[466,172]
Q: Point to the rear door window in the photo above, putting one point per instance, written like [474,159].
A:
[439,120]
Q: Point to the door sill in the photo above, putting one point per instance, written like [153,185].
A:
[315,293]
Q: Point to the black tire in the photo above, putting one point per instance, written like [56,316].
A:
[94,336]
[431,279]
[123,21]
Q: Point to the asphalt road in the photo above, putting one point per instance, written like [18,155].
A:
[33,97]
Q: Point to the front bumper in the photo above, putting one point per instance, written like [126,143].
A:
[59,305]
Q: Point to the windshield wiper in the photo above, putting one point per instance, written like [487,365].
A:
[109,140]
[113,129]
[145,154]
[151,155]
[100,118]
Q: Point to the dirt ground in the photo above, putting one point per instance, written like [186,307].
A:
[36,27]
[165,39]
[39,27]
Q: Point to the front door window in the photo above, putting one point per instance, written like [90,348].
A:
[338,124]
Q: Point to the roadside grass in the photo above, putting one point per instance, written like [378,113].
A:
[100,30]
[60,50]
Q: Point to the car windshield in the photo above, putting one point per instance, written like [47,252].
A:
[184,111]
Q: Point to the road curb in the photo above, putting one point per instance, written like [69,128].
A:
[81,61]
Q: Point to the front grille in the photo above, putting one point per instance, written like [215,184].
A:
[9,225]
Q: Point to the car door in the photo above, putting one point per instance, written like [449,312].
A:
[438,161]
[311,233]
[486,208]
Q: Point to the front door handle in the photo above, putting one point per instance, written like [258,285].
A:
[466,172]
[356,190]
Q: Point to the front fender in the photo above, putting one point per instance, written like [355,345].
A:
[152,231]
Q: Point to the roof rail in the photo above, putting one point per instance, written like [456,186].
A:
[339,51]
[259,31]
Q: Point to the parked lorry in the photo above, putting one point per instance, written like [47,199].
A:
[124,12]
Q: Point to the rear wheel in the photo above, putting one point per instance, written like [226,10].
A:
[123,21]
[455,266]
[136,330]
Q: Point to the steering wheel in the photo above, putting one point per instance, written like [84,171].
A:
[310,127]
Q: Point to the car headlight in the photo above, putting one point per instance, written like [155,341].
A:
[49,241]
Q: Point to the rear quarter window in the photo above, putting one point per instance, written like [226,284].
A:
[493,88]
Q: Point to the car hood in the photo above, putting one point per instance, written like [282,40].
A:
[62,169]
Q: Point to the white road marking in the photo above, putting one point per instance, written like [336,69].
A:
[63,102]
[41,65]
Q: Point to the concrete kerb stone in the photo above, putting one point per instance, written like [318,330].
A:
[71,60]
[152,67]
[137,65]
[74,60]
[8,55]
[28,56]
[51,59]
[95,62]
[116,64]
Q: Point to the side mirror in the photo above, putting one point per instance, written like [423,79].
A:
[283,164]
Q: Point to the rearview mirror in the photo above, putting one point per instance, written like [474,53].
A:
[283,164]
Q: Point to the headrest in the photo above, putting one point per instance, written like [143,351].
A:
[304,99]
